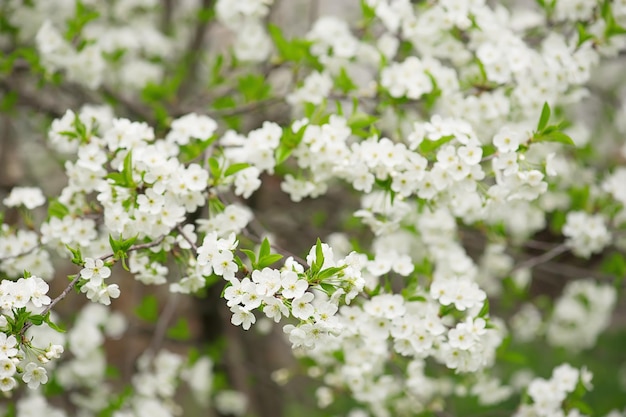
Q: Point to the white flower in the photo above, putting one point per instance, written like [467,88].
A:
[29,197]
[242,316]
[301,307]
[34,375]
[95,271]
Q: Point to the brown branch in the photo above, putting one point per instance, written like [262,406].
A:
[245,108]
[543,258]
[74,281]
[193,51]
[193,245]
[164,320]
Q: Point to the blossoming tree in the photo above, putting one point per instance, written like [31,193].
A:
[452,142]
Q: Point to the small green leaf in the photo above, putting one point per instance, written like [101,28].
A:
[583,35]
[544,118]
[558,137]
[235,168]
[344,82]
[319,257]
[115,244]
[57,209]
[361,120]
[77,257]
[428,146]
[148,309]
[127,243]
[52,325]
[179,331]
[254,87]
[264,250]
[269,260]
[128,170]
[214,168]
[330,272]
[252,256]
[329,288]
[282,153]
[484,312]
[195,148]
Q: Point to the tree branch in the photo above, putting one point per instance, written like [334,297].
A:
[74,281]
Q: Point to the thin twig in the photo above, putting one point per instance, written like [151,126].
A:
[74,281]
[245,108]
[182,233]
[543,258]
[164,321]
[193,51]
[278,249]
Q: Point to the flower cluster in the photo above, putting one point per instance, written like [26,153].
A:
[586,234]
[581,314]
[548,395]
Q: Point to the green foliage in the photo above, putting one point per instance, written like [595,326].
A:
[265,257]
[57,209]
[343,81]
[545,133]
[82,16]
[254,87]
[179,331]
[124,178]
[288,142]
[615,264]
[77,257]
[148,309]
[295,50]
[195,148]
[120,248]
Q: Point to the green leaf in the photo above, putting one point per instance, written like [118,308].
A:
[254,87]
[265,248]
[295,50]
[82,16]
[7,103]
[115,244]
[288,142]
[36,319]
[179,331]
[484,312]
[544,118]
[269,260]
[216,77]
[195,148]
[368,11]
[329,288]
[361,120]
[148,309]
[282,153]
[330,272]
[319,257]
[252,256]
[52,325]
[344,82]
[214,168]
[558,137]
[428,146]
[128,169]
[235,168]
[77,257]
[57,209]
[583,35]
